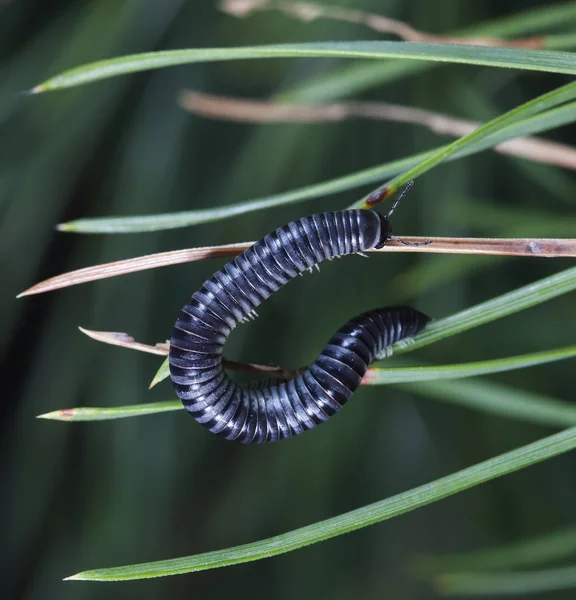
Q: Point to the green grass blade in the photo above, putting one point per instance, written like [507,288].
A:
[560,41]
[500,400]
[545,121]
[536,124]
[379,376]
[525,553]
[496,308]
[195,217]
[483,396]
[532,60]
[536,19]
[481,136]
[375,376]
[113,412]
[349,80]
[506,584]
[161,374]
[368,515]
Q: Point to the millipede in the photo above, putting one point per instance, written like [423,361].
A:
[279,410]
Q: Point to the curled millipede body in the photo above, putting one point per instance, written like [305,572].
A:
[287,408]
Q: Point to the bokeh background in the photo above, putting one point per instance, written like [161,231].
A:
[80,496]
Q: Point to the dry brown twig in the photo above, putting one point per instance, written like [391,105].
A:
[117,338]
[252,111]
[535,247]
[308,11]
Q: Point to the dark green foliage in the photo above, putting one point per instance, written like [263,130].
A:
[79,496]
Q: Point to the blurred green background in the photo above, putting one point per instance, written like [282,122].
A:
[79,496]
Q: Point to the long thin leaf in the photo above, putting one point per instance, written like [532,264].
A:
[161,374]
[368,515]
[500,400]
[535,124]
[378,376]
[307,11]
[539,409]
[533,247]
[506,584]
[206,215]
[524,553]
[243,110]
[496,308]
[560,41]
[88,413]
[480,138]
[349,80]
[532,60]
[133,265]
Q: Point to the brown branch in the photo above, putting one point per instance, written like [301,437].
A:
[132,265]
[539,247]
[308,11]
[118,338]
[536,247]
[251,111]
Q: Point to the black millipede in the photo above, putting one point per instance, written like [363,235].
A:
[251,414]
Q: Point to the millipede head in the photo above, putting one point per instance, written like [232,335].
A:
[385,226]
[385,231]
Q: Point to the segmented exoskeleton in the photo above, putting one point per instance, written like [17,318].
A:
[286,408]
